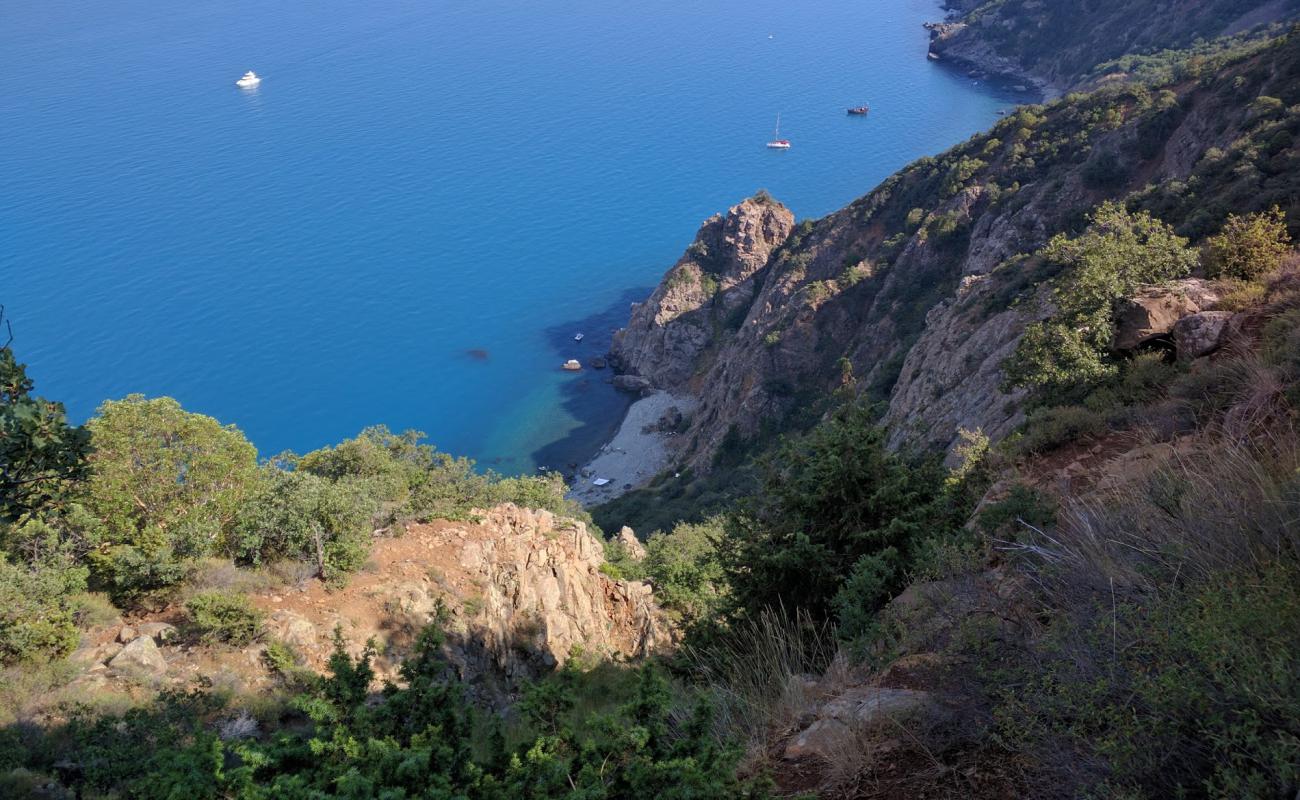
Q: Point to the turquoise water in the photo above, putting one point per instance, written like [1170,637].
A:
[412,181]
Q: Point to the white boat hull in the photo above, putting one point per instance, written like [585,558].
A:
[247,84]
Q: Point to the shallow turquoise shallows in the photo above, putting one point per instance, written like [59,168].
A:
[423,202]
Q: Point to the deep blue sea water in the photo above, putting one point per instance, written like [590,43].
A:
[413,180]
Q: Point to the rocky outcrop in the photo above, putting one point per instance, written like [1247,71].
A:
[1152,313]
[626,538]
[711,282]
[544,596]
[517,591]
[855,711]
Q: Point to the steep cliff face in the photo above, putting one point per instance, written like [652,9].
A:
[711,283]
[1058,45]
[914,294]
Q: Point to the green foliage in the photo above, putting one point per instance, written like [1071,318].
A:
[224,617]
[834,506]
[37,619]
[1248,246]
[1048,428]
[40,453]
[1069,354]
[304,516]
[165,482]
[1196,697]
[686,570]
[412,741]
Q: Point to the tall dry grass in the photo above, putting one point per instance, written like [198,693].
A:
[1224,503]
[765,672]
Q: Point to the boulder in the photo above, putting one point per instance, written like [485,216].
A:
[1153,311]
[857,709]
[626,537]
[293,629]
[160,632]
[823,740]
[97,654]
[126,634]
[1197,334]
[634,384]
[140,659]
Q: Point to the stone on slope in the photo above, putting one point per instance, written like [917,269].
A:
[140,659]
[1199,334]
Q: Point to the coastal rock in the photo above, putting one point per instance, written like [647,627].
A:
[633,384]
[713,280]
[1198,334]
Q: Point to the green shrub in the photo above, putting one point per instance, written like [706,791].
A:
[37,621]
[224,617]
[1192,694]
[1063,358]
[1248,246]
[835,504]
[686,570]
[1048,428]
[306,517]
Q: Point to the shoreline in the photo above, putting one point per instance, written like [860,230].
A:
[635,454]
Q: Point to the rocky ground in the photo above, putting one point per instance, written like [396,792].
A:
[523,591]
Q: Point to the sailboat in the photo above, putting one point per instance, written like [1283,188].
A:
[777,142]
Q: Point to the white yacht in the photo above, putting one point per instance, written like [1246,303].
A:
[249,80]
[777,142]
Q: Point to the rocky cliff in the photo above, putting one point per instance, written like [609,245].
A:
[522,591]
[1058,46]
[913,294]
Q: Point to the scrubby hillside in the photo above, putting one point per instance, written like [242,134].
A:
[913,295]
[1062,45]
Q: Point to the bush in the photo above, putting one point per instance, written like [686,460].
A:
[1049,428]
[835,503]
[306,517]
[37,621]
[1248,246]
[223,617]
[686,570]
[1063,358]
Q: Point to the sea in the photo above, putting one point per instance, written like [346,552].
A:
[424,201]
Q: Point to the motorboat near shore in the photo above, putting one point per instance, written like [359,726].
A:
[572,365]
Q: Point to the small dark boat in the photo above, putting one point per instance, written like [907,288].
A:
[858,111]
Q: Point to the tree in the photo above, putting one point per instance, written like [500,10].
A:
[165,485]
[829,500]
[157,467]
[1248,246]
[40,453]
